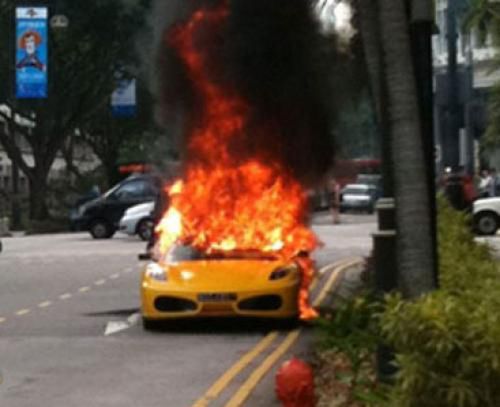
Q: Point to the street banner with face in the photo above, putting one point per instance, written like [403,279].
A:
[31,52]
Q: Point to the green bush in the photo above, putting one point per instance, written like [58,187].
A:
[448,342]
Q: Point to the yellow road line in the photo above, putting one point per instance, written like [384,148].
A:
[247,387]
[65,296]
[331,280]
[261,370]
[233,371]
[44,304]
[22,312]
[100,282]
[84,289]
[244,391]
[323,270]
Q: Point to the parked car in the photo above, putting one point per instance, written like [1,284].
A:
[486,215]
[101,216]
[138,220]
[361,197]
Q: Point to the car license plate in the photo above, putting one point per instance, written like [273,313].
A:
[216,297]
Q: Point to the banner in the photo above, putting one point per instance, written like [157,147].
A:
[123,99]
[31,52]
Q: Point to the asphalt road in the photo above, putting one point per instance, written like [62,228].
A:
[69,332]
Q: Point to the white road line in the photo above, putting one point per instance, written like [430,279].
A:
[113,327]
[2,320]
[44,304]
[23,312]
[100,282]
[114,276]
[65,296]
[84,289]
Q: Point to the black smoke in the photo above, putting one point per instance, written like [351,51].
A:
[271,53]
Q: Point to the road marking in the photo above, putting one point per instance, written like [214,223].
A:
[233,371]
[334,276]
[323,270]
[22,312]
[100,282]
[113,327]
[84,289]
[65,296]
[134,318]
[2,320]
[246,388]
[114,276]
[44,304]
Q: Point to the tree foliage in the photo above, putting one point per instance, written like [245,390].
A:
[87,59]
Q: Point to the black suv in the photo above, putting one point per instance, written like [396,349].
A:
[102,215]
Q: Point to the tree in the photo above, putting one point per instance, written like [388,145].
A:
[110,136]
[385,28]
[87,60]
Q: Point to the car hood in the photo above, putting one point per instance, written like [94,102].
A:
[223,275]
[492,204]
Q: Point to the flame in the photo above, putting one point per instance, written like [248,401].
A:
[223,203]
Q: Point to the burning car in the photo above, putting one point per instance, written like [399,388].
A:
[189,283]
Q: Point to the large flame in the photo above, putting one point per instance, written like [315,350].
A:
[222,203]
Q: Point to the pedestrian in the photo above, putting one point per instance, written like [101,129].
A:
[160,207]
[494,183]
[335,203]
[485,184]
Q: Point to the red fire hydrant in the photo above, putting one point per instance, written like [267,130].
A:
[295,384]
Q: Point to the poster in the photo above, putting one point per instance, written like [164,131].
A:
[31,52]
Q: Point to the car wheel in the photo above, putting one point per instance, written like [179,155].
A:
[145,229]
[100,229]
[486,223]
[149,324]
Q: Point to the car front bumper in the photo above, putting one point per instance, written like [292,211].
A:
[159,301]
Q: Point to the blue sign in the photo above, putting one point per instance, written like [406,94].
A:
[123,99]
[31,52]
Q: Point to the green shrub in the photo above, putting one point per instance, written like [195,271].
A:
[448,342]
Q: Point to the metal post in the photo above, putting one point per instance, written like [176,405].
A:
[450,142]
[15,205]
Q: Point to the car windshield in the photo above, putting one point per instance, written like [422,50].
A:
[179,253]
[356,191]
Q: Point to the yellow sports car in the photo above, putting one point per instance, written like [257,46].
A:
[188,283]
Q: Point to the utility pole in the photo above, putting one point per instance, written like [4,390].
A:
[15,204]
[451,135]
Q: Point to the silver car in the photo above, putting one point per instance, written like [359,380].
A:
[361,197]
[138,220]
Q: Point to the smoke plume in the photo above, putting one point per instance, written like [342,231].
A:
[272,54]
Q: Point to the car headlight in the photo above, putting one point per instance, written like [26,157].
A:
[280,273]
[156,272]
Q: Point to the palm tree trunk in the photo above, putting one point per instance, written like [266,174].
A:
[414,241]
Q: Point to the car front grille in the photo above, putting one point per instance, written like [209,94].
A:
[261,303]
[174,304]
